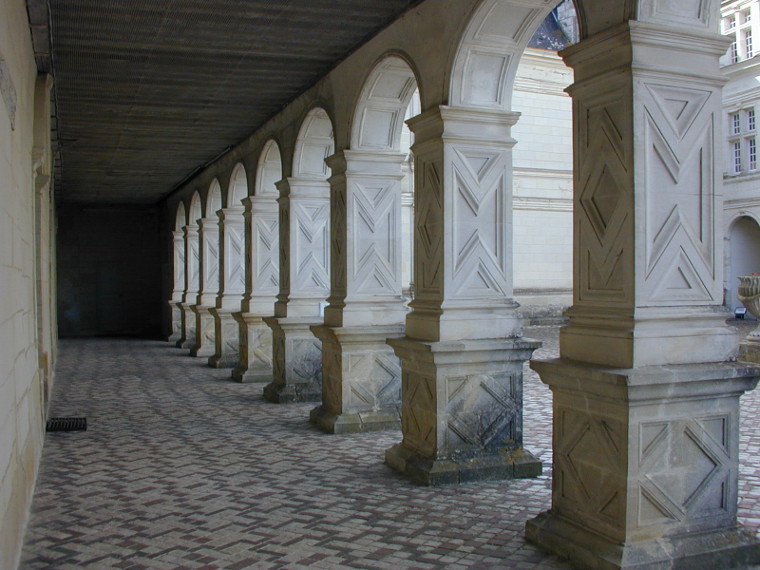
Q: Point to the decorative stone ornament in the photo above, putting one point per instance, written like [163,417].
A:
[749,295]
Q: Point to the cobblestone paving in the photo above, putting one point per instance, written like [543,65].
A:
[182,468]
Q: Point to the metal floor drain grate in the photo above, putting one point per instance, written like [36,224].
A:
[66,424]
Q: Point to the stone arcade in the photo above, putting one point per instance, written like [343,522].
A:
[647,386]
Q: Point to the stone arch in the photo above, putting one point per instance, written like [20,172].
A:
[180,219]
[269,170]
[196,209]
[315,142]
[742,254]
[214,199]
[379,115]
[238,188]
[488,55]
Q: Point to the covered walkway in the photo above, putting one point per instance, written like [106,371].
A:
[182,468]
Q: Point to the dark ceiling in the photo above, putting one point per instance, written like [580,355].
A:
[148,90]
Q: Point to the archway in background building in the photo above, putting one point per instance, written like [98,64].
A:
[743,251]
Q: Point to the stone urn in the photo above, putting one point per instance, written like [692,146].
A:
[749,294]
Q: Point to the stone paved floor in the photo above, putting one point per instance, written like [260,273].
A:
[182,468]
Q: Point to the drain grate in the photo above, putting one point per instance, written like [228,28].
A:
[66,424]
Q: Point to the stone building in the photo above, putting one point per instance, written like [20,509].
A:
[267,206]
[741,179]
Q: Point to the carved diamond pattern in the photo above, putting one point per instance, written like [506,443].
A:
[485,411]
[374,217]
[680,197]
[588,459]
[376,380]
[603,201]
[479,226]
[683,469]
[338,243]
[236,264]
[428,231]
[194,264]
[311,258]
[266,255]
[417,413]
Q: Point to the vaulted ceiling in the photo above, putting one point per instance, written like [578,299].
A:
[146,91]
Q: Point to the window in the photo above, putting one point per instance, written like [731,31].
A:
[729,23]
[747,16]
[752,153]
[748,43]
[736,126]
[737,158]
[733,52]
[750,119]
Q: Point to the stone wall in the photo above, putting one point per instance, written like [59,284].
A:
[109,271]
[543,187]
[26,339]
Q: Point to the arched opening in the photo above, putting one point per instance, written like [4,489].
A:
[238,189]
[209,237]
[743,256]
[313,145]
[543,172]
[265,228]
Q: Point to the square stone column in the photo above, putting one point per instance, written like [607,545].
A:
[361,381]
[463,352]
[232,265]
[178,273]
[262,285]
[192,280]
[646,392]
[304,210]
[208,234]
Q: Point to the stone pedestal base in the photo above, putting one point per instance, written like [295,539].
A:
[187,340]
[645,465]
[204,332]
[731,548]
[361,379]
[296,361]
[255,359]
[461,411]
[176,312]
[226,340]
[749,350]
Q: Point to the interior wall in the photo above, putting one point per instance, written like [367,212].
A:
[109,271]
[24,178]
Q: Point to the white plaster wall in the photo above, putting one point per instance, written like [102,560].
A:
[543,248]
[21,400]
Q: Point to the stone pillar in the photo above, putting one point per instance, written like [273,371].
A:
[304,285]
[209,287]
[262,277]
[463,352]
[178,256]
[646,400]
[192,279]
[361,382]
[232,263]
